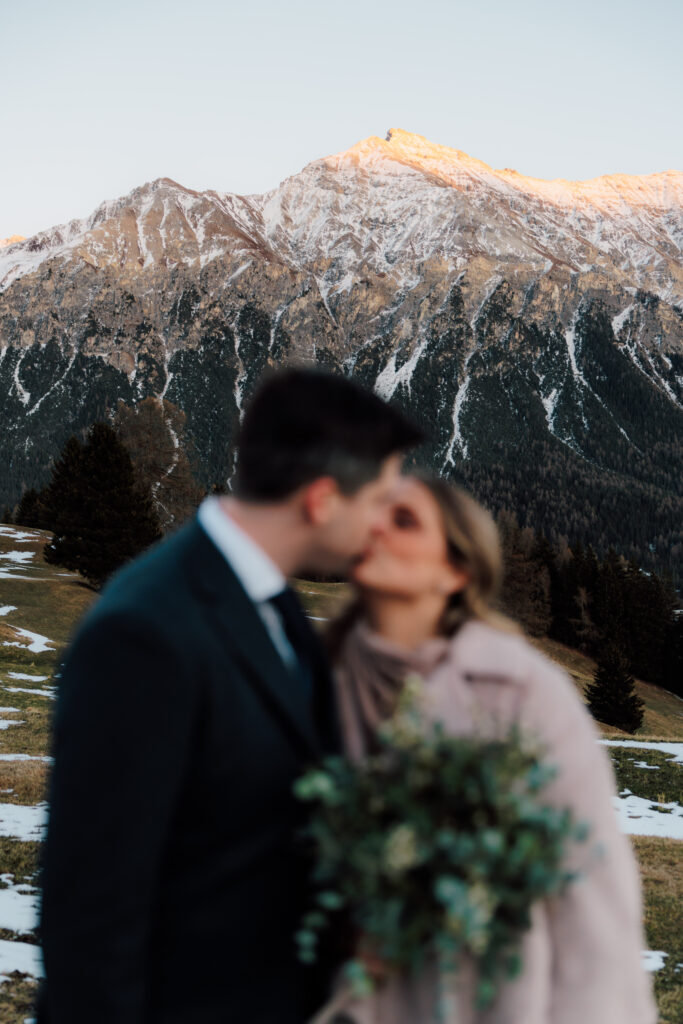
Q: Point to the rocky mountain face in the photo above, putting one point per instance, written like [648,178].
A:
[535,327]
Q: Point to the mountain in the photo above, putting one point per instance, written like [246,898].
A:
[536,327]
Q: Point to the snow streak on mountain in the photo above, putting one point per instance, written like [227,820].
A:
[535,326]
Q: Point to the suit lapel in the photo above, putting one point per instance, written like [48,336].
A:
[242,632]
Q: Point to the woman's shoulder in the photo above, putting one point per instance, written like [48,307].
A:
[483,652]
[483,649]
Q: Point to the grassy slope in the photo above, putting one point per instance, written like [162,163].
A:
[50,604]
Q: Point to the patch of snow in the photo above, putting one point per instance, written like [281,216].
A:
[39,693]
[18,821]
[23,394]
[644,764]
[490,286]
[621,318]
[38,643]
[24,757]
[17,535]
[664,748]
[237,273]
[19,906]
[7,608]
[635,349]
[653,959]
[457,437]
[390,378]
[6,723]
[641,817]
[24,957]
[20,557]
[56,384]
[570,338]
[31,679]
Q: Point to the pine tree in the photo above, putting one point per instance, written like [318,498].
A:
[612,698]
[526,582]
[99,517]
[31,510]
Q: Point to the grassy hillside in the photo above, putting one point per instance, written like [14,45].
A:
[39,607]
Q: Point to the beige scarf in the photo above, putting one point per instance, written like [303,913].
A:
[370,674]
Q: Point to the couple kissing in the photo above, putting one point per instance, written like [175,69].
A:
[196,692]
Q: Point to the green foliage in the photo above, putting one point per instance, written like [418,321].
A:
[31,511]
[99,517]
[526,580]
[614,601]
[434,846]
[611,696]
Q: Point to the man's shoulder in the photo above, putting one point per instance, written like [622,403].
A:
[157,585]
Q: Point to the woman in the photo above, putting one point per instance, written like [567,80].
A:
[425,605]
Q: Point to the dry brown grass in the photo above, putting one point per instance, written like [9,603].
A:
[26,779]
[661,867]
[17,998]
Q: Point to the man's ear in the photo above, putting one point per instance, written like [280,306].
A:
[319,500]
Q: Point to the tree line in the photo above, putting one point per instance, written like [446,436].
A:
[628,619]
[115,491]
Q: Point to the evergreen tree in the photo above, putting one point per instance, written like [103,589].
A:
[673,656]
[7,517]
[526,580]
[99,516]
[31,510]
[612,698]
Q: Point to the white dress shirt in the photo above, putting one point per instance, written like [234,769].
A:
[256,571]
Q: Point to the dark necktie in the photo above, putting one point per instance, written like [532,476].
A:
[298,633]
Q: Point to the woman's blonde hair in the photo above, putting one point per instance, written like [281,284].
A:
[474,546]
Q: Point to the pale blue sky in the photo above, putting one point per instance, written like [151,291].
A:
[98,98]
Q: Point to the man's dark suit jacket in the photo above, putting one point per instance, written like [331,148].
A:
[172,885]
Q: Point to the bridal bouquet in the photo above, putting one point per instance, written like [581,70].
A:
[432,847]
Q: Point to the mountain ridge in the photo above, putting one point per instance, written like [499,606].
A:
[525,334]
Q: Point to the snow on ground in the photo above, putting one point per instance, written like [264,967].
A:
[20,956]
[19,557]
[38,643]
[23,757]
[18,906]
[7,608]
[30,679]
[664,748]
[638,816]
[653,959]
[6,722]
[26,823]
[39,693]
[17,565]
[19,536]
[641,817]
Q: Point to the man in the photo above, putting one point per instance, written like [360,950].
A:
[193,695]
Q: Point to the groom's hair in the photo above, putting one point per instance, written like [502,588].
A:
[302,424]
